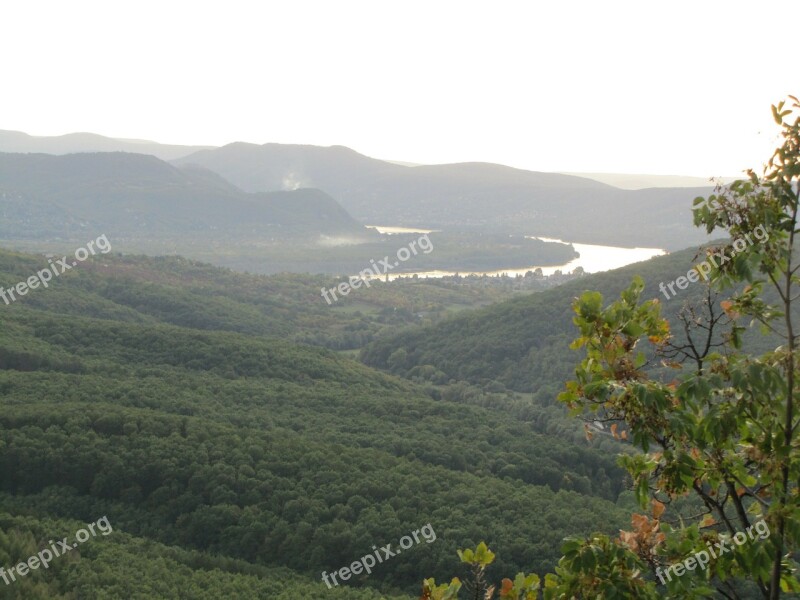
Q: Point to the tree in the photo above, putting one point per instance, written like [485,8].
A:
[725,431]
[715,428]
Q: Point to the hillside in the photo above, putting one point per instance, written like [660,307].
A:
[191,429]
[180,292]
[464,196]
[523,343]
[121,565]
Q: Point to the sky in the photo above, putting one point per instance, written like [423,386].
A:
[673,87]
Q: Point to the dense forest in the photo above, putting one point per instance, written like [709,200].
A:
[194,420]
[221,421]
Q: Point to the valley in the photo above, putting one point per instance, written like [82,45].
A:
[399,301]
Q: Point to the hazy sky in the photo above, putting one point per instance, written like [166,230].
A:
[639,87]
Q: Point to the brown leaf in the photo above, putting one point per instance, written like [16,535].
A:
[507,587]
[658,508]
[708,521]
[639,522]
[727,306]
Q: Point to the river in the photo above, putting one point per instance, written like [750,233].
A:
[593,258]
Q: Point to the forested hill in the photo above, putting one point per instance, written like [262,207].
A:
[229,444]
[45,197]
[522,342]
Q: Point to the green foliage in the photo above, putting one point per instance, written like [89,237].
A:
[481,556]
[189,429]
[724,432]
[598,568]
[431,591]
[122,566]
[524,587]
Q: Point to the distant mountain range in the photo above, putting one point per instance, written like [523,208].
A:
[466,196]
[145,205]
[46,197]
[17,141]
[627,181]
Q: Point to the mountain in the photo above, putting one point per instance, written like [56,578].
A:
[467,196]
[19,142]
[144,204]
[464,196]
[136,196]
